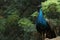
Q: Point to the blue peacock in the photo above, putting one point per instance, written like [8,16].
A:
[43,27]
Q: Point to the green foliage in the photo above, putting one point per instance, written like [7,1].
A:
[12,19]
[12,10]
[2,24]
[35,14]
[47,3]
[1,12]
[23,22]
[51,8]
[26,24]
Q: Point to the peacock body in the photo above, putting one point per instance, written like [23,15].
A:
[42,26]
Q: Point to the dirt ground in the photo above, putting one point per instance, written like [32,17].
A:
[57,38]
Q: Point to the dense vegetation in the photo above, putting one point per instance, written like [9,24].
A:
[17,18]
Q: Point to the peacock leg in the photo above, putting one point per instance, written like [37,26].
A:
[43,36]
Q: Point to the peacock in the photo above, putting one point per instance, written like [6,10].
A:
[43,27]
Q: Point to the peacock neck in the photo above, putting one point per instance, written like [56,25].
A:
[40,18]
[40,14]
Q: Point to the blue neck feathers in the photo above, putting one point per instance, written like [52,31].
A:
[40,18]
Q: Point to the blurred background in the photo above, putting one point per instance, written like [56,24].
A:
[17,18]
